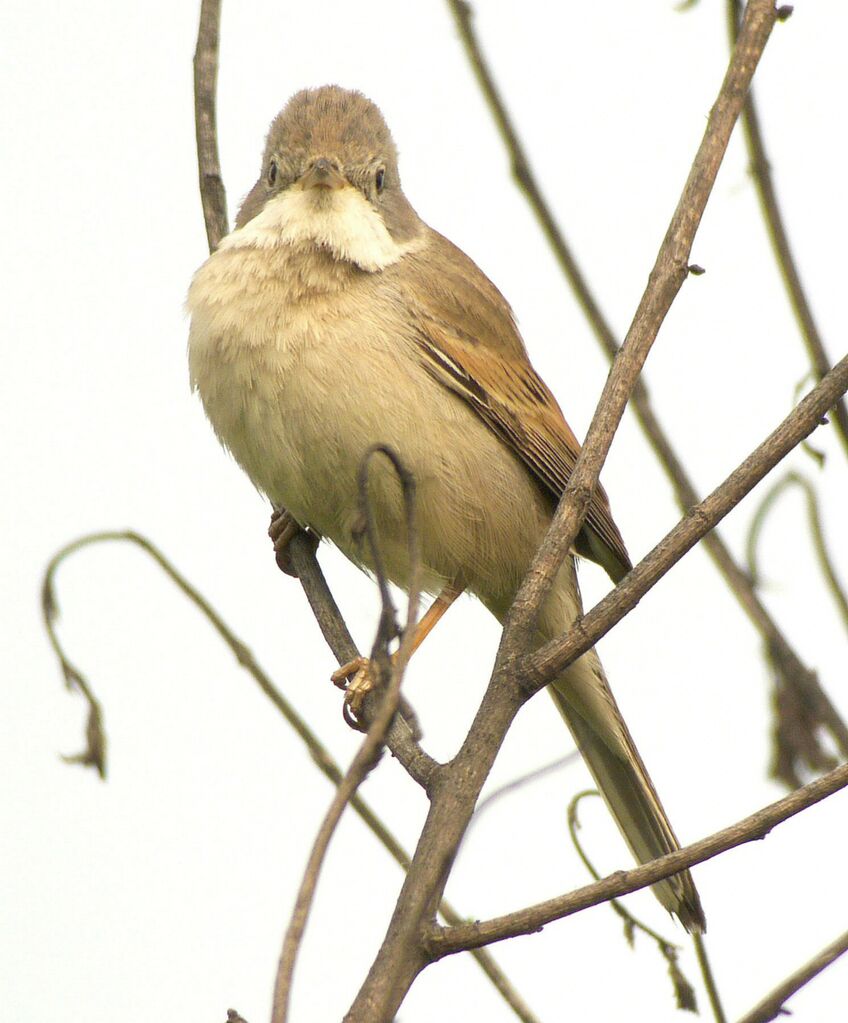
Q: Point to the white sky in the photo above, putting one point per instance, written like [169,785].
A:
[164,893]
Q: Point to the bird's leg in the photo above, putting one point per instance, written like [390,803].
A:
[283,530]
[359,670]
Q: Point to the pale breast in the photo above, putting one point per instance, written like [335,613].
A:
[302,367]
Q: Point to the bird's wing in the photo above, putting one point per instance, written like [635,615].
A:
[468,340]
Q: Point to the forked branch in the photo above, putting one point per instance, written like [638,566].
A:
[456,786]
[783,659]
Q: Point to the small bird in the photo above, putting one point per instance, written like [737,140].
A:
[331,319]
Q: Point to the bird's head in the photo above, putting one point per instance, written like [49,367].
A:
[329,179]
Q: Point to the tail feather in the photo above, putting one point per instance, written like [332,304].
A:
[593,717]
[584,698]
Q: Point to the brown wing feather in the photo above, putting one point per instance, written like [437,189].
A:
[462,320]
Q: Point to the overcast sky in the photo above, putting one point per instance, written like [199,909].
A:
[164,893]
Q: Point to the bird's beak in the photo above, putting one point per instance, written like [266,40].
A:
[323,174]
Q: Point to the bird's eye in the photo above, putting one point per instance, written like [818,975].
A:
[380,178]
[272,172]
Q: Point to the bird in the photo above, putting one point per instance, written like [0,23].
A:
[332,319]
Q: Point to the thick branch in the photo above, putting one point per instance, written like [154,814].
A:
[442,941]
[781,654]
[667,276]
[455,788]
[550,660]
[401,739]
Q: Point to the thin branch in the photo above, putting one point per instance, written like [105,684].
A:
[770,207]
[787,664]
[368,754]
[684,992]
[401,740]
[446,941]
[517,784]
[836,589]
[772,1005]
[546,663]
[708,978]
[666,278]
[212,194]
[455,787]
[94,755]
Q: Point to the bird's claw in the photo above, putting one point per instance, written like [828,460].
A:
[282,530]
[356,679]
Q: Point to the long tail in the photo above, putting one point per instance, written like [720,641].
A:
[585,700]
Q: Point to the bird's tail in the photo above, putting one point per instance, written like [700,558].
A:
[585,700]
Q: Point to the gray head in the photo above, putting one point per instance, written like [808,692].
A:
[330,139]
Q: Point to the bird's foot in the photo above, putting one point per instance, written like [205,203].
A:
[357,681]
[283,530]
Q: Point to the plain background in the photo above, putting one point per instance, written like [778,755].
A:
[164,893]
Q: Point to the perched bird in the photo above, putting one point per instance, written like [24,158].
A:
[333,318]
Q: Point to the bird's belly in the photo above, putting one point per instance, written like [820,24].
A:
[300,403]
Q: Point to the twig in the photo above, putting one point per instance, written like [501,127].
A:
[94,755]
[708,978]
[540,667]
[511,787]
[446,941]
[772,1005]
[788,665]
[770,207]
[212,194]
[368,753]
[456,786]
[684,992]
[816,531]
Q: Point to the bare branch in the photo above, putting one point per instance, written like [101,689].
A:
[772,1005]
[797,722]
[792,672]
[403,734]
[699,941]
[836,589]
[511,787]
[402,737]
[770,207]
[212,194]
[94,755]
[446,941]
[401,740]
[539,668]
[669,272]
[368,754]
[455,787]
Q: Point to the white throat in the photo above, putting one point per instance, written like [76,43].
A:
[340,220]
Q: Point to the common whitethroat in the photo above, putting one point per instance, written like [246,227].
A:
[333,318]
